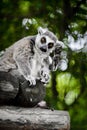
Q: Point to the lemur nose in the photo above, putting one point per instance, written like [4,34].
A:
[44,48]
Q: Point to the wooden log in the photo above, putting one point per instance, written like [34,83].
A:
[30,96]
[9,87]
[15,90]
[16,118]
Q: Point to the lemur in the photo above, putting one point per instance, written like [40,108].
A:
[32,56]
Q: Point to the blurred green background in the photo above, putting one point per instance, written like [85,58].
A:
[67,89]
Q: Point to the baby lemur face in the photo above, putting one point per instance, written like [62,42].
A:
[45,41]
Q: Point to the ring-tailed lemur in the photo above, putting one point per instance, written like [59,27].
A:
[32,56]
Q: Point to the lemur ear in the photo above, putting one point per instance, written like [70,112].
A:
[42,30]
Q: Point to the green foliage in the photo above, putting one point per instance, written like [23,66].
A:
[67,89]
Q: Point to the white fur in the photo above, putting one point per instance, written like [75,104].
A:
[34,67]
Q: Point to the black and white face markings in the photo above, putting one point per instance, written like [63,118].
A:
[45,41]
[46,44]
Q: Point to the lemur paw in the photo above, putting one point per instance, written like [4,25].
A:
[45,77]
[31,80]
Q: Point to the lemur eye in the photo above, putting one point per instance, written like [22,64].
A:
[50,45]
[43,40]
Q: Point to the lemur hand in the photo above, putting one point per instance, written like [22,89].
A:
[45,77]
[31,80]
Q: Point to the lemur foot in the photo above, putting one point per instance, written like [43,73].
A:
[43,104]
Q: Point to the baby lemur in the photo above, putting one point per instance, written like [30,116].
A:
[32,56]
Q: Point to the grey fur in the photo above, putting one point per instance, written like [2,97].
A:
[51,35]
[26,55]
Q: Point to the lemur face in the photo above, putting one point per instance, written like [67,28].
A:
[45,41]
[46,45]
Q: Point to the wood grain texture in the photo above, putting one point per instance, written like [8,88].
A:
[16,118]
